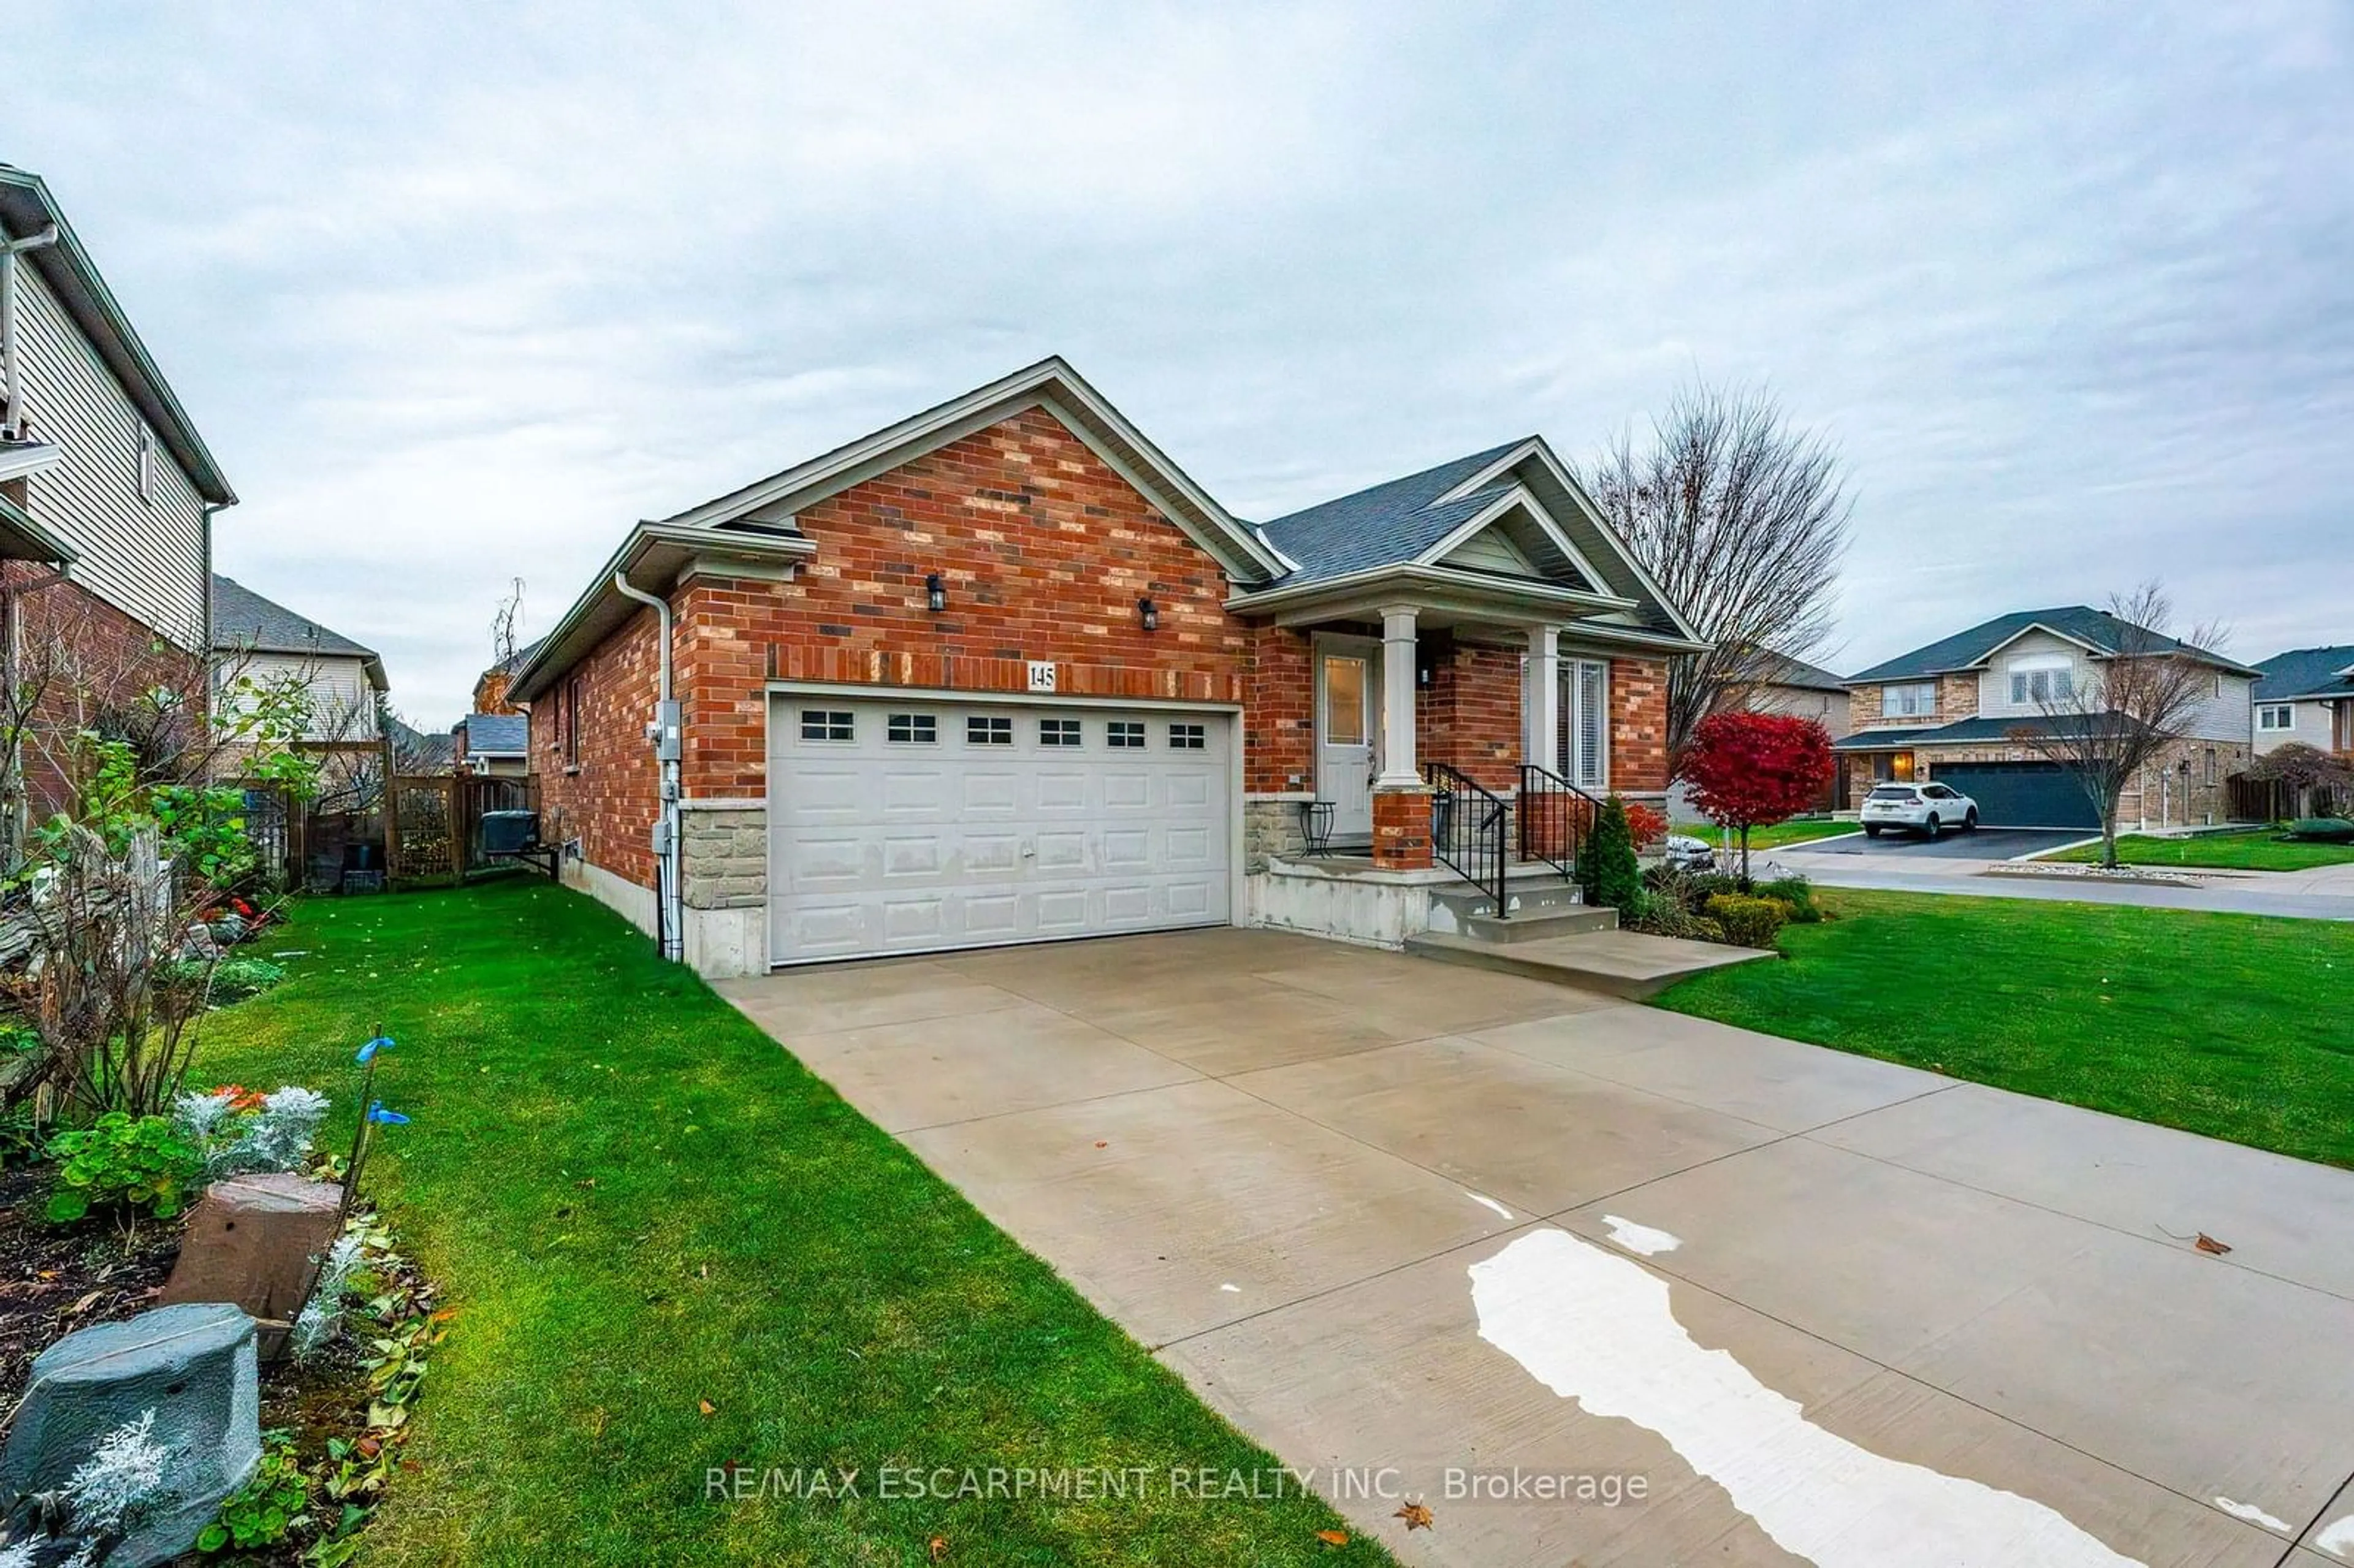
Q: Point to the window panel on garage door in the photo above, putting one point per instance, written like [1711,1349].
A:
[904,826]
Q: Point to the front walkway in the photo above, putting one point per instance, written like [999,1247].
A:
[1397,1219]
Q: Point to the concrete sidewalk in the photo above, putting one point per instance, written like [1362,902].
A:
[1434,1232]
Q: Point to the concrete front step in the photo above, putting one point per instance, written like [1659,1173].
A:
[1619,963]
[1528,890]
[1534,926]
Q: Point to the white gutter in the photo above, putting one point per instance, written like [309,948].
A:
[11,393]
[665,733]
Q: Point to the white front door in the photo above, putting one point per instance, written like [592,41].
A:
[1348,687]
[916,822]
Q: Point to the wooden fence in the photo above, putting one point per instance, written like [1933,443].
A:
[2269,800]
[436,822]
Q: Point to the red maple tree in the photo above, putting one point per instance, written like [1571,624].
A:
[1751,770]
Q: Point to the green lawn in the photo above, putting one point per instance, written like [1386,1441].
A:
[2229,1025]
[2260,850]
[640,1203]
[1776,837]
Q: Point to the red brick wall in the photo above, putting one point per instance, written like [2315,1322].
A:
[1638,724]
[609,800]
[1280,712]
[88,657]
[1469,714]
[1044,552]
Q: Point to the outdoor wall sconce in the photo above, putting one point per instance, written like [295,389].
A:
[1148,615]
[935,593]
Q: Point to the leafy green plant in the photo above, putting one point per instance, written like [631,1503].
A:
[203,830]
[1796,892]
[232,979]
[123,1161]
[1748,922]
[1607,867]
[270,1504]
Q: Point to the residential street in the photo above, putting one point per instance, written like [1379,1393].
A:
[1398,1221]
[2325,894]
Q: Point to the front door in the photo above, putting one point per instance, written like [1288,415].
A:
[1348,681]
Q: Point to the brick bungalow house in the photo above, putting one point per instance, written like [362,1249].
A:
[1954,710]
[107,494]
[1002,672]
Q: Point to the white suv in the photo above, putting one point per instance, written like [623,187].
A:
[1929,809]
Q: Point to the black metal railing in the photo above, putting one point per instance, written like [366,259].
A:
[1555,816]
[1466,829]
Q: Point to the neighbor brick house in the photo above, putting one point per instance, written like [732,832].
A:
[1957,710]
[1003,671]
[106,493]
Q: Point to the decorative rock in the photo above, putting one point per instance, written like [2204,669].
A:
[255,1242]
[192,1366]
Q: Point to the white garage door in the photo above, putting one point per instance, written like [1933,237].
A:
[903,825]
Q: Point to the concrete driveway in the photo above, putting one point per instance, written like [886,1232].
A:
[1431,1232]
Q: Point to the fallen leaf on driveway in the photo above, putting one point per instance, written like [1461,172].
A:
[1101,1144]
[1333,1537]
[1416,1516]
[2209,1244]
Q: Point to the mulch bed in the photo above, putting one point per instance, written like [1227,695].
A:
[55,1279]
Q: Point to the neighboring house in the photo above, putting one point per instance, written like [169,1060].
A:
[106,493]
[417,753]
[2307,694]
[1952,710]
[498,745]
[1784,685]
[490,686]
[1003,672]
[258,639]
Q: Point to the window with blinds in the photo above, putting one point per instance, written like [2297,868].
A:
[1585,757]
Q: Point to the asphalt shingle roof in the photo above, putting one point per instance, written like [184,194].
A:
[1963,650]
[1961,732]
[1384,525]
[496,732]
[243,618]
[1781,670]
[2306,672]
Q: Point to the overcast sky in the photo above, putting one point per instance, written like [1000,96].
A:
[457,291]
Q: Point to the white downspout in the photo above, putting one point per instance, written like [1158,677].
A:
[11,411]
[665,733]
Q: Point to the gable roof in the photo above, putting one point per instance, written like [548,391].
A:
[433,750]
[2095,630]
[27,208]
[244,621]
[1397,520]
[1774,668]
[2307,672]
[1050,383]
[503,735]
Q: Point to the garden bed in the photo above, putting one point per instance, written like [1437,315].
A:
[55,1279]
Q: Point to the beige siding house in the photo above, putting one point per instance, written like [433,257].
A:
[1954,710]
[257,638]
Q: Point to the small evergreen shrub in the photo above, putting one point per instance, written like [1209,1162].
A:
[1748,922]
[2323,830]
[1607,867]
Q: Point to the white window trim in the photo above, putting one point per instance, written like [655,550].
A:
[146,465]
[2265,712]
[1575,669]
[1889,690]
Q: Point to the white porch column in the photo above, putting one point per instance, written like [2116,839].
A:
[1541,704]
[1399,767]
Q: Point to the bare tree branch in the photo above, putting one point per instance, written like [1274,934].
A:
[2113,729]
[1743,520]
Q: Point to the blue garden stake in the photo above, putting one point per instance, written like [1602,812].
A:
[375,1116]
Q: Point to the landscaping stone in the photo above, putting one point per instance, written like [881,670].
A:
[193,1365]
[255,1242]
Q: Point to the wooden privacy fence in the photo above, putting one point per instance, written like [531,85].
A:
[2269,800]
[435,827]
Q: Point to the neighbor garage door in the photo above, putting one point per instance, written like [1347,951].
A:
[907,825]
[2021,794]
